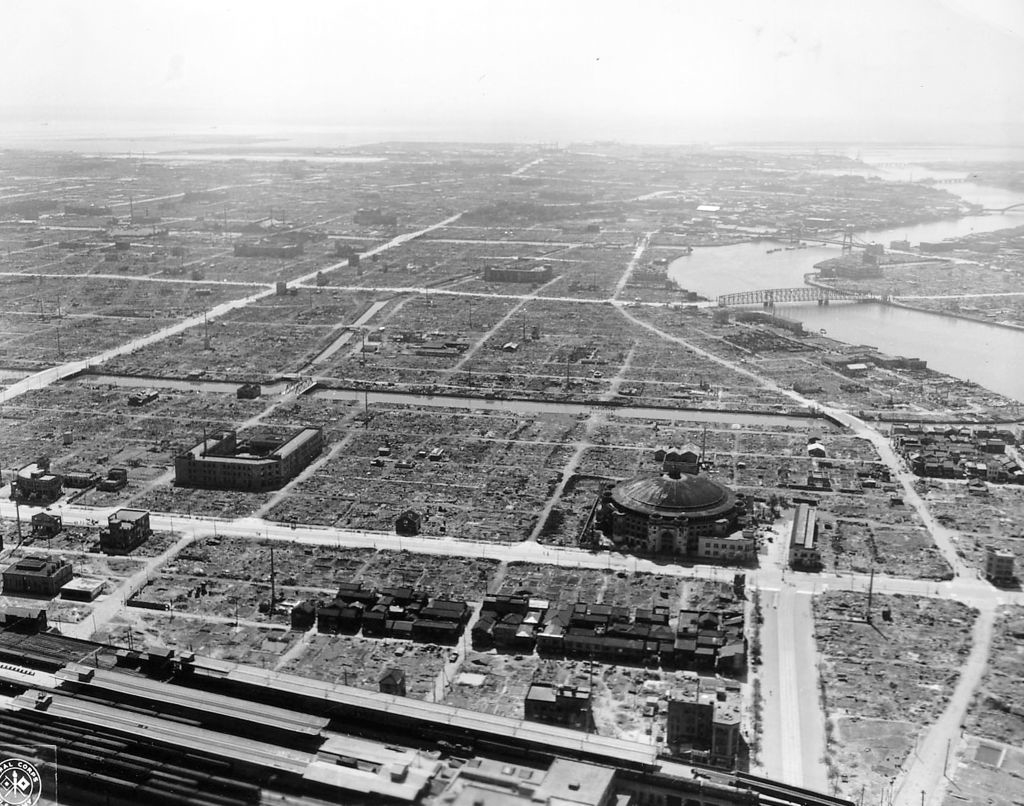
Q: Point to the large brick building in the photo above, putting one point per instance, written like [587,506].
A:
[35,576]
[517,274]
[222,462]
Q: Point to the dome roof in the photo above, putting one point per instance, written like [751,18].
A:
[674,495]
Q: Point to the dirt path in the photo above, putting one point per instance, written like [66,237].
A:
[104,610]
[923,780]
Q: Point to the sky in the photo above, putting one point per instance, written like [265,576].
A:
[557,70]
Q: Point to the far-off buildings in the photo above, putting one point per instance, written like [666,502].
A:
[517,274]
[223,462]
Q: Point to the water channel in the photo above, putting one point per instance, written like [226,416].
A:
[986,354]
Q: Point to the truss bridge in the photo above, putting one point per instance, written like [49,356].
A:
[767,297]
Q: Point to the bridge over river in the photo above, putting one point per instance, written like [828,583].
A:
[769,296]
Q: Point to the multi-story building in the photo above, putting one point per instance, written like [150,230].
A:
[126,529]
[999,568]
[803,539]
[46,525]
[35,484]
[705,723]
[36,576]
[559,705]
[516,274]
[221,462]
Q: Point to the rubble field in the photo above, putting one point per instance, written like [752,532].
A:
[882,682]
[997,712]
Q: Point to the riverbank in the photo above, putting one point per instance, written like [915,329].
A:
[813,279]
[899,303]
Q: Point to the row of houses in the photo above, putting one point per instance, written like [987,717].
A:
[957,453]
[703,640]
[394,612]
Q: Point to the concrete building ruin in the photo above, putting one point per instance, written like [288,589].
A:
[35,484]
[222,462]
[126,529]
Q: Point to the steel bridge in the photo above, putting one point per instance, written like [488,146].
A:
[767,297]
[845,239]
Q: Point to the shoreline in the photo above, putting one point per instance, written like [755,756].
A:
[813,279]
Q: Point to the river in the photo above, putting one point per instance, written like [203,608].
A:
[975,351]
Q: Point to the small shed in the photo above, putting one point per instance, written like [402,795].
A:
[408,523]
[393,682]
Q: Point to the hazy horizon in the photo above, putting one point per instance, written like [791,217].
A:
[919,71]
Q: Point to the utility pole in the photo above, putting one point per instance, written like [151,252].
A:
[273,590]
[871,591]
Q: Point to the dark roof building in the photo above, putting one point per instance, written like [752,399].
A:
[126,529]
[513,274]
[393,682]
[408,523]
[46,525]
[669,512]
[559,705]
[35,576]
[707,723]
[803,539]
[36,484]
[221,462]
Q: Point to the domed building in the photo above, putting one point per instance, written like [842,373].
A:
[676,512]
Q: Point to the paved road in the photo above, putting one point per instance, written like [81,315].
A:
[51,375]
[637,253]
